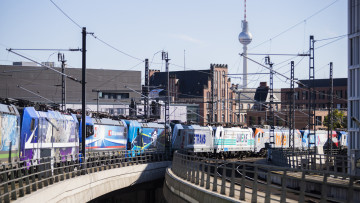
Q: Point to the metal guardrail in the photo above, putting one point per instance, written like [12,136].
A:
[21,178]
[212,174]
[305,160]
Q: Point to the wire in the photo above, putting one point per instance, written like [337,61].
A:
[331,42]
[290,28]
[116,49]
[341,36]
[66,14]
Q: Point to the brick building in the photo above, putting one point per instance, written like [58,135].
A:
[322,88]
[194,87]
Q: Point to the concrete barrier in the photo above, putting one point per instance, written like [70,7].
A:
[177,190]
[88,187]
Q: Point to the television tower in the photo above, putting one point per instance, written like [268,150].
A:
[245,38]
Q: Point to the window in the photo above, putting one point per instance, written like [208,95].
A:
[105,95]
[339,93]
[322,95]
[248,106]
[296,95]
[304,95]
[318,120]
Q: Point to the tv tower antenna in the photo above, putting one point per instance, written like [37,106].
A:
[245,38]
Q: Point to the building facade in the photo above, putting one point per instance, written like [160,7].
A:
[39,84]
[322,94]
[354,84]
[194,87]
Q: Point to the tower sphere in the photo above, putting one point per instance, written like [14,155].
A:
[245,36]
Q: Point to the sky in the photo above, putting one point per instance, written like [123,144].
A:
[196,33]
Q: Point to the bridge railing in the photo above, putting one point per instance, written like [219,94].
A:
[231,179]
[24,177]
[310,160]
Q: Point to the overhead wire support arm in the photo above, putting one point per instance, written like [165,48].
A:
[260,54]
[78,49]
[70,77]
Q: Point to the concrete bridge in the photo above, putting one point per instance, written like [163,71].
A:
[188,178]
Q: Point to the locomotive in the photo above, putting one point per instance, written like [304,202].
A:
[33,134]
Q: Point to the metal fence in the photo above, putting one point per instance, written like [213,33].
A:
[24,177]
[231,179]
[305,160]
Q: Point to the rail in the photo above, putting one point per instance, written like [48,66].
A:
[24,177]
[222,176]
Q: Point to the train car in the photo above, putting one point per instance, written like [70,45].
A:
[235,141]
[194,138]
[45,134]
[134,139]
[281,139]
[152,136]
[177,138]
[342,139]
[108,135]
[9,133]
[321,140]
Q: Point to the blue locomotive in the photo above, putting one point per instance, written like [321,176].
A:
[34,134]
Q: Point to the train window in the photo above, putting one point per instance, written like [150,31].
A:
[139,138]
[262,135]
[32,124]
[220,134]
[89,130]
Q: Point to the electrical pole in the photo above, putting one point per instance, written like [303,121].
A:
[292,111]
[167,103]
[272,128]
[146,90]
[83,111]
[61,58]
[331,105]
[312,95]
[212,70]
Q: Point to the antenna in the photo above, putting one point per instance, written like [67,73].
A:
[244,10]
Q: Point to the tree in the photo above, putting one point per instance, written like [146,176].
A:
[339,119]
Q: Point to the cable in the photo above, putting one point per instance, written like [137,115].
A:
[92,34]
[66,14]
[116,49]
[290,28]
[331,42]
[331,38]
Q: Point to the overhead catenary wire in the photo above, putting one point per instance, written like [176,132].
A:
[297,24]
[66,14]
[116,49]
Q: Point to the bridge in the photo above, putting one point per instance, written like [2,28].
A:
[188,178]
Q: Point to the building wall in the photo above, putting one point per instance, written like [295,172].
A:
[281,118]
[321,97]
[224,105]
[354,74]
[47,83]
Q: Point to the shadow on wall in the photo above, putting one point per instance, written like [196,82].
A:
[147,192]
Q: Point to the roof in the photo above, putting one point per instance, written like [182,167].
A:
[337,82]
[191,83]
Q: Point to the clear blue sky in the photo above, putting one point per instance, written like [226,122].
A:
[207,29]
